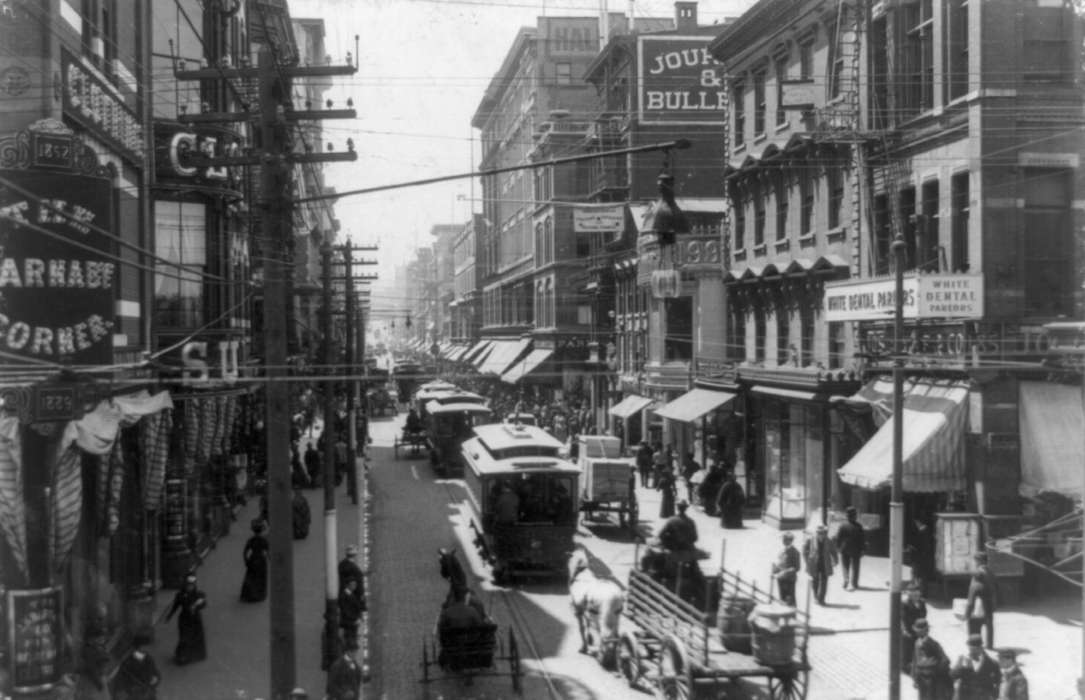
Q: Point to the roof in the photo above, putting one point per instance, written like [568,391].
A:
[437,408]
[753,26]
[499,436]
[483,464]
[500,82]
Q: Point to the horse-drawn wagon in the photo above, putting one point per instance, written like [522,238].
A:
[411,441]
[609,482]
[694,635]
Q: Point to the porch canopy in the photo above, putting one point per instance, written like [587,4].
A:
[628,406]
[935,416]
[693,404]
[1052,441]
[530,363]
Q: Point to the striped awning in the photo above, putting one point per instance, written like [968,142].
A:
[527,365]
[475,350]
[504,354]
[693,404]
[934,423]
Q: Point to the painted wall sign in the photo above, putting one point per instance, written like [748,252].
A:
[34,638]
[925,296]
[679,82]
[56,288]
[570,35]
[94,104]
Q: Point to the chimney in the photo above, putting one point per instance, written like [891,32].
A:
[685,16]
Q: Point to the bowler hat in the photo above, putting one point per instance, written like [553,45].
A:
[850,510]
[974,640]
[787,537]
[921,624]
[682,505]
[352,550]
[1006,653]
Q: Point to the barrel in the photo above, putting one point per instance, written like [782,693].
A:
[773,638]
[734,625]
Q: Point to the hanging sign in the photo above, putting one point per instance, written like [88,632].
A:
[56,283]
[598,219]
[34,639]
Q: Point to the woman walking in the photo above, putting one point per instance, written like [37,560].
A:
[190,600]
[667,484]
[254,587]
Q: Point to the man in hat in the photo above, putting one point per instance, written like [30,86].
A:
[930,665]
[979,609]
[644,463]
[786,568]
[1014,685]
[679,532]
[350,571]
[976,674]
[912,609]
[344,678]
[821,556]
[851,542]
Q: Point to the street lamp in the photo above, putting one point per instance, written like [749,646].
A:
[896,506]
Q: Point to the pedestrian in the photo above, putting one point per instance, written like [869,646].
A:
[313,465]
[851,542]
[189,601]
[299,694]
[302,516]
[679,533]
[922,552]
[729,503]
[979,609]
[351,607]
[254,556]
[709,490]
[298,476]
[644,463]
[1014,685]
[137,677]
[349,569]
[690,467]
[660,460]
[930,665]
[574,447]
[976,676]
[786,569]
[820,554]
[340,459]
[344,678]
[912,608]
[667,485]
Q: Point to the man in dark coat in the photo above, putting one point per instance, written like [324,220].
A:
[979,609]
[313,465]
[302,515]
[679,532]
[344,678]
[850,542]
[1014,685]
[930,665]
[786,568]
[709,490]
[349,569]
[912,609]
[730,502]
[351,607]
[644,463]
[820,554]
[976,674]
[137,678]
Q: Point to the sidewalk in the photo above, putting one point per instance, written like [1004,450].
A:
[849,644]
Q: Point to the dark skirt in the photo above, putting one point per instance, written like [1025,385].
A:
[191,645]
[254,587]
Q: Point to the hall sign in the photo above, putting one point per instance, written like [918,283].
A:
[679,82]
[56,281]
[95,104]
[925,297]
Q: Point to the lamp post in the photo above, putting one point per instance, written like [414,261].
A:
[896,506]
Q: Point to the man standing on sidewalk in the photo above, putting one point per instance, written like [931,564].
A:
[851,541]
[644,463]
[976,675]
[786,569]
[821,556]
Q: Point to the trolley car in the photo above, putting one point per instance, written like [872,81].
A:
[521,494]
[447,426]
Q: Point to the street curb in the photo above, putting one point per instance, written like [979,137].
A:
[365,539]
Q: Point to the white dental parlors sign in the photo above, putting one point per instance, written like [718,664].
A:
[678,81]
[925,296]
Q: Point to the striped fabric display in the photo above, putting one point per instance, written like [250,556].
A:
[67,501]
[12,504]
[192,434]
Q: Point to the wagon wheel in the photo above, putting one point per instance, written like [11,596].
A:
[630,654]
[514,663]
[789,685]
[675,678]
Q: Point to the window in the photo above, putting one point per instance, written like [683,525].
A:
[927,240]
[806,193]
[759,106]
[783,335]
[759,335]
[908,227]
[839,56]
[956,49]
[836,345]
[1046,52]
[958,247]
[759,219]
[1048,235]
[781,75]
[879,77]
[564,73]
[918,59]
[806,59]
[736,344]
[180,237]
[835,179]
[781,207]
[738,102]
[100,31]
[740,225]
[806,334]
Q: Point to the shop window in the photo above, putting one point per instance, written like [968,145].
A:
[956,49]
[785,455]
[837,345]
[1048,235]
[927,235]
[759,106]
[738,106]
[959,196]
[759,335]
[781,207]
[835,178]
[180,237]
[783,336]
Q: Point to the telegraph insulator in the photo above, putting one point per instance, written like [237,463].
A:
[328,104]
[308,104]
[331,147]
[350,145]
[350,102]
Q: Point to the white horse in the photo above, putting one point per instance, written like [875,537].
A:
[597,604]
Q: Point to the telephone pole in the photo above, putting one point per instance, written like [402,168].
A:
[330,639]
[276,116]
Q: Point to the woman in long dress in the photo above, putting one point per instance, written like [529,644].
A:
[254,587]
[189,601]
[668,485]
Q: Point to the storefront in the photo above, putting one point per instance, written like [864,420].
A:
[691,419]
[628,420]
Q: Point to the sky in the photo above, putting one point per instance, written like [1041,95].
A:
[424,67]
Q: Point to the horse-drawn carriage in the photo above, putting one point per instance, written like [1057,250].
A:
[609,482]
[411,441]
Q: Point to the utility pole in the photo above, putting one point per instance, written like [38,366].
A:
[276,115]
[330,640]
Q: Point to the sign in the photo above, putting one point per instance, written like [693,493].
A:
[34,639]
[207,363]
[181,152]
[57,286]
[693,251]
[679,82]
[797,94]
[588,219]
[570,35]
[925,296]
[96,105]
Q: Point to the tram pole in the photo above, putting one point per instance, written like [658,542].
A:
[330,639]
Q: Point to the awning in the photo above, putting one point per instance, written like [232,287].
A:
[460,353]
[935,416]
[693,404]
[791,394]
[506,352]
[519,370]
[480,359]
[629,405]
[1050,417]
[475,350]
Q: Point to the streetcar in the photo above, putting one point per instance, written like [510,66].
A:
[447,426]
[521,494]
